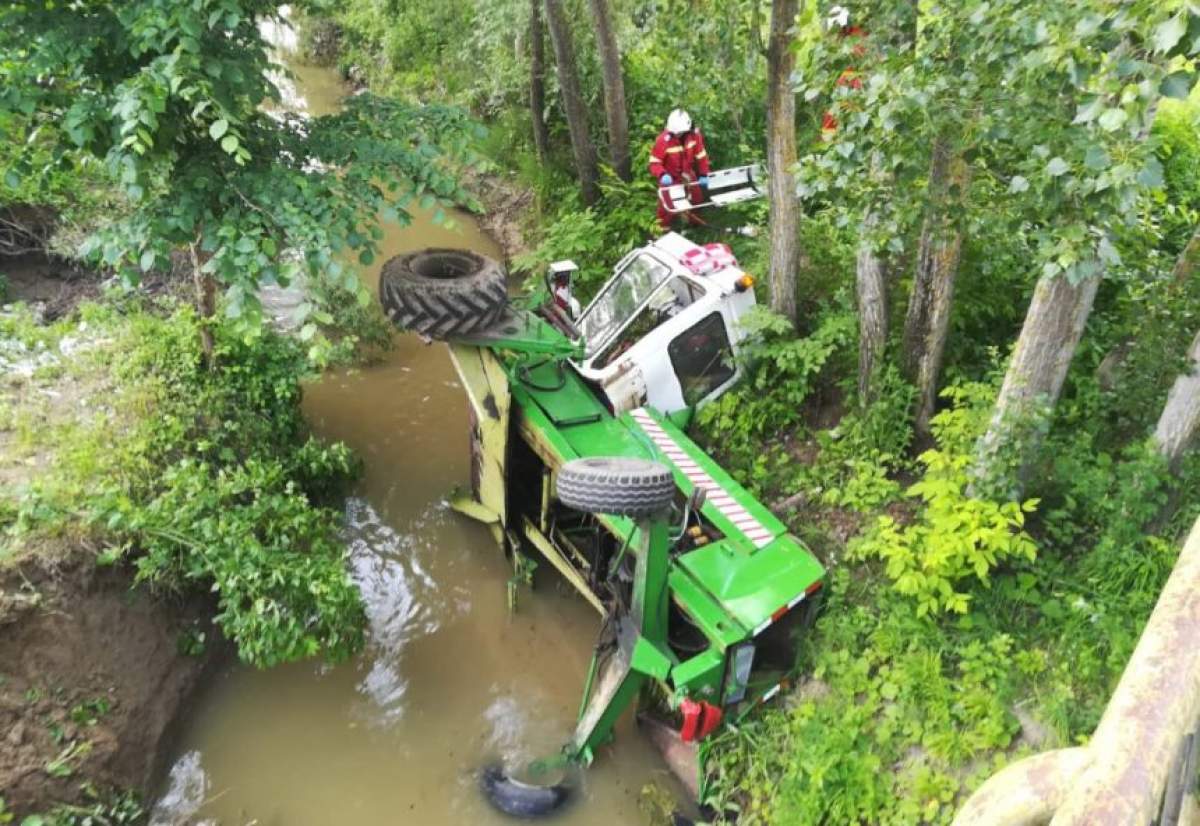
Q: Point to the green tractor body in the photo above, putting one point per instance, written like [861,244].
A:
[703,596]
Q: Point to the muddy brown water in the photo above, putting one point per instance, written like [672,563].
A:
[450,680]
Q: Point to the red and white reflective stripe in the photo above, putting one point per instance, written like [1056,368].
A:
[718,497]
[780,612]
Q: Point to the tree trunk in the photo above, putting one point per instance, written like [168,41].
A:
[871,289]
[537,80]
[1053,326]
[1180,419]
[1188,261]
[206,300]
[577,120]
[927,321]
[781,158]
[614,90]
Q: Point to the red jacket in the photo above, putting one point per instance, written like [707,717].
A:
[675,156]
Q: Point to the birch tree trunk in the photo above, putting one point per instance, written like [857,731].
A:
[573,104]
[871,290]
[1053,326]
[615,112]
[1180,419]
[781,158]
[927,321]
[537,80]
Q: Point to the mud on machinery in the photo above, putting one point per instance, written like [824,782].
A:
[578,454]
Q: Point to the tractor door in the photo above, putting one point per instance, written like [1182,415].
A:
[702,359]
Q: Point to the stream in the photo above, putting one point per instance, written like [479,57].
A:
[450,680]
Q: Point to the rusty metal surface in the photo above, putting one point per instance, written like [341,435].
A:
[1026,793]
[1119,778]
[1154,708]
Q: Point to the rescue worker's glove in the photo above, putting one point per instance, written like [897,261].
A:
[703,181]
[666,179]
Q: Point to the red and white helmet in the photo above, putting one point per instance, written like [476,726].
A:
[838,17]
[678,122]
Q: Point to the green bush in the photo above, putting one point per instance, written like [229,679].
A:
[896,718]
[596,238]
[782,371]
[1177,130]
[956,536]
[211,482]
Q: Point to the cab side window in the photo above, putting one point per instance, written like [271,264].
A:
[702,358]
[667,300]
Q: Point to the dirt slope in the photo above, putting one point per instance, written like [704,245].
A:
[92,678]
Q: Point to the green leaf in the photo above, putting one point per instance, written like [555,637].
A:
[1096,158]
[1057,166]
[218,128]
[1168,33]
[1113,119]
[229,143]
[366,258]
[147,260]
[11,179]
[1151,175]
[1178,85]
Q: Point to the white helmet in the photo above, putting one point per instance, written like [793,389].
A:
[678,121]
[839,17]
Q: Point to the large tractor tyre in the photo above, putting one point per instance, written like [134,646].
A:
[623,487]
[443,293]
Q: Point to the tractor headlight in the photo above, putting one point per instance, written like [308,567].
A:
[741,660]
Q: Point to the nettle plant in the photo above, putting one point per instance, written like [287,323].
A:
[169,96]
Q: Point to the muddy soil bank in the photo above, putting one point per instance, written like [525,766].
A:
[52,285]
[93,675]
[508,210]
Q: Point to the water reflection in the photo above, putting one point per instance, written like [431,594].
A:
[402,602]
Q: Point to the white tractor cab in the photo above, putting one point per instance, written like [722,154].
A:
[664,330]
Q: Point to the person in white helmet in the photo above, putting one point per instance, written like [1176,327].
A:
[679,156]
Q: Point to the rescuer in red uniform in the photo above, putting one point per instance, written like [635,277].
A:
[679,156]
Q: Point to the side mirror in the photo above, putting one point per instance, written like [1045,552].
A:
[559,281]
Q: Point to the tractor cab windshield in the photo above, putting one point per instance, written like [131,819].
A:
[620,300]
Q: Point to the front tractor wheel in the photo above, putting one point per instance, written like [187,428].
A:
[637,488]
[443,293]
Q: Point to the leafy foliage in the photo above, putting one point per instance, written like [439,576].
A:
[596,240]
[167,96]
[893,707]
[206,480]
[101,809]
[783,371]
[1053,101]
[956,536]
